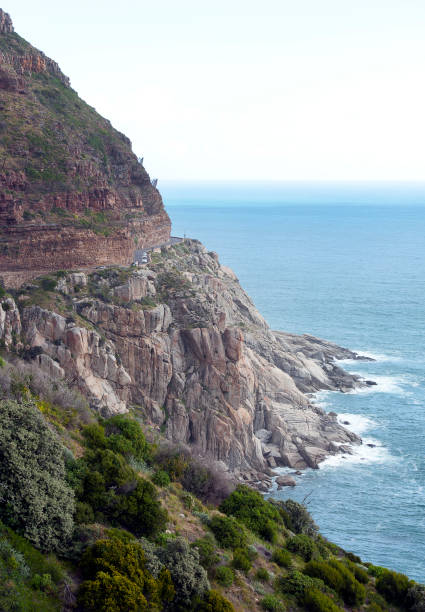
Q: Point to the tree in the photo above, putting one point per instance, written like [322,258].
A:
[189,577]
[35,499]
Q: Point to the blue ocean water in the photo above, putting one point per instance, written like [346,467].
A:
[346,263]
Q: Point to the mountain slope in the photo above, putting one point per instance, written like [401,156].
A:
[72,192]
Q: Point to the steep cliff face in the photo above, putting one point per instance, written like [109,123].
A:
[181,340]
[72,193]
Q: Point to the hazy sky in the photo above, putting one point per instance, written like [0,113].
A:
[241,89]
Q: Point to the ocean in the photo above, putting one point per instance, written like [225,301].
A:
[346,263]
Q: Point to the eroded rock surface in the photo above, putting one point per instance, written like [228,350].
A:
[182,340]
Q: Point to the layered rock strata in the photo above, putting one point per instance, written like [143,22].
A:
[182,340]
[72,192]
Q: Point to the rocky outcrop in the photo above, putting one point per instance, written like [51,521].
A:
[72,192]
[6,25]
[182,340]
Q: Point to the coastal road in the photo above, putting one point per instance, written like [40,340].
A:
[138,253]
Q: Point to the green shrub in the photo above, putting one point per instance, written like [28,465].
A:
[83,513]
[214,602]
[189,577]
[139,511]
[282,557]
[206,548]
[376,570]
[316,601]
[297,584]
[359,573]
[262,574]
[116,578]
[272,603]
[20,588]
[339,578]
[125,436]
[48,284]
[296,517]
[249,507]
[330,575]
[353,593]
[227,532]
[241,560]
[36,500]
[161,478]
[302,545]
[393,586]
[224,575]
[120,434]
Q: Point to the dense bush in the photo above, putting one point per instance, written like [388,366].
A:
[330,575]
[120,434]
[35,499]
[21,588]
[316,601]
[161,478]
[224,575]
[376,570]
[296,517]
[189,577]
[227,532]
[282,557]
[262,574]
[302,545]
[105,482]
[116,579]
[206,548]
[339,578]
[297,584]
[353,592]
[254,511]
[214,602]
[206,482]
[393,586]
[360,574]
[241,560]
[139,511]
[272,604]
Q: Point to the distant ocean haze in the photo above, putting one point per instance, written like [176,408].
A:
[345,263]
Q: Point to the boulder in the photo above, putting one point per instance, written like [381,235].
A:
[285,481]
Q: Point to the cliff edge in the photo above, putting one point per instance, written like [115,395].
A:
[72,192]
[180,342]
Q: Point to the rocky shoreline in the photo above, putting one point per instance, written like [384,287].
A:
[180,342]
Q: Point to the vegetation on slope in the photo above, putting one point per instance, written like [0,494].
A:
[128,534]
[52,142]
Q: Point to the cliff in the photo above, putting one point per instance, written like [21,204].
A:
[72,192]
[180,342]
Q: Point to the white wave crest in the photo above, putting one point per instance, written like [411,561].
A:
[384,384]
[380,357]
[357,423]
[371,451]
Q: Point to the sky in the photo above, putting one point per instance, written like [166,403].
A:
[248,90]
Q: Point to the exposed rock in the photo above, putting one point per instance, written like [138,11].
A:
[197,357]
[6,25]
[285,481]
[72,192]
